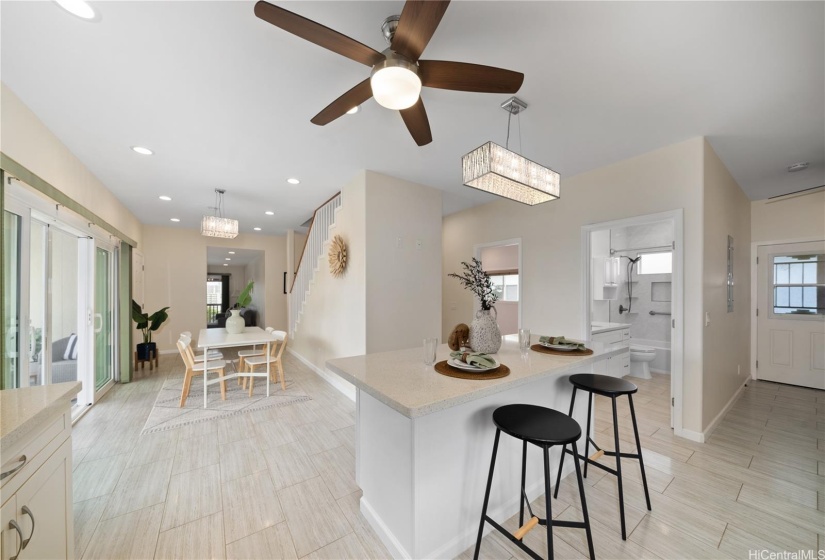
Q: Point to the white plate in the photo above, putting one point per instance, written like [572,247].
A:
[561,347]
[467,367]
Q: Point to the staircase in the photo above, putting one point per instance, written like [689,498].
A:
[314,249]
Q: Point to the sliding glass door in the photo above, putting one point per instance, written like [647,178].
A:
[104,320]
[12,308]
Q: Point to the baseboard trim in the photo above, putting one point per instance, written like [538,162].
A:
[348,389]
[393,546]
[698,437]
[712,426]
[659,371]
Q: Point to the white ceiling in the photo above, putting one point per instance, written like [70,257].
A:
[216,256]
[225,99]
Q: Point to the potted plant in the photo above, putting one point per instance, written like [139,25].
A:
[235,323]
[485,335]
[147,325]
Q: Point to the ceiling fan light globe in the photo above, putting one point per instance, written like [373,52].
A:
[395,87]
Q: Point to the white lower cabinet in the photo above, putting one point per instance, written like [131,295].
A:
[36,515]
[615,366]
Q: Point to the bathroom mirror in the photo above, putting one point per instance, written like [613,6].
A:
[660,291]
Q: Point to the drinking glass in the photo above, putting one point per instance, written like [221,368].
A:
[430,346]
[524,339]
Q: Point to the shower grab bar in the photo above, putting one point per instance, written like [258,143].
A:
[658,313]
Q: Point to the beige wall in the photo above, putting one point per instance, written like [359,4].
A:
[789,219]
[666,179]
[256,272]
[175,263]
[726,340]
[333,321]
[25,139]
[403,277]
[496,259]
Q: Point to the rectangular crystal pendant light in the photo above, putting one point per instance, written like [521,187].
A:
[497,170]
[215,226]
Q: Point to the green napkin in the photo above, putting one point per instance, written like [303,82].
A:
[474,359]
[561,340]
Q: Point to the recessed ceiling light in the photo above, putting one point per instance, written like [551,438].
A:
[231,252]
[257,229]
[227,259]
[293,181]
[225,264]
[142,151]
[175,219]
[354,110]
[269,213]
[802,165]
[164,197]
[78,8]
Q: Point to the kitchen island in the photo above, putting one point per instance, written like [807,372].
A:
[424,441]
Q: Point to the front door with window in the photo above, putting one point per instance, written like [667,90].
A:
[791,314]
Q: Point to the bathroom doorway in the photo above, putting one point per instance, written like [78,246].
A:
[633,290]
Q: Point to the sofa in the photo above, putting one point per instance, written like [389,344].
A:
[64,361]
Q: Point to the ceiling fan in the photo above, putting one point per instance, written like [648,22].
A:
[397,73]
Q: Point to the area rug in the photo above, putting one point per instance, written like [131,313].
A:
[167,414]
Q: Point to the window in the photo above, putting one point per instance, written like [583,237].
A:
[799,284]
[505,286]
[656,263]
[214,298]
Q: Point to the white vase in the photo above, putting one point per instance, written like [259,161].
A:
[485,335]
[235,322]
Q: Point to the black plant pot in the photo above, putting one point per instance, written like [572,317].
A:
[146,350]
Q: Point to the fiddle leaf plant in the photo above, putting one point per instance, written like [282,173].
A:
[245,298]
[146,323]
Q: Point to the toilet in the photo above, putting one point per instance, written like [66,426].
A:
[640,358]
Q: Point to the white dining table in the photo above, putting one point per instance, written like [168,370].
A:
[209,339]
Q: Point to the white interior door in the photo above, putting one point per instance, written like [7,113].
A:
[791,314]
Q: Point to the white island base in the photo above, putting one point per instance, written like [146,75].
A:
[424,443]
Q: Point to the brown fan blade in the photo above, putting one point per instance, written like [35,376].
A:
[417,123]
[317,33]
[419,20]
[462,76]
[350,99]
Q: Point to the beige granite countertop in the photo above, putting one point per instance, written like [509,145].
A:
[22,410]
[400,379]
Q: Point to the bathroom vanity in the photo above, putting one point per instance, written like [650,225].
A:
[614,336]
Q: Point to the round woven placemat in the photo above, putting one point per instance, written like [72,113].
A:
[546,350]
[444,369]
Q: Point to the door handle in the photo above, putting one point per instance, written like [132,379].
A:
[10,472]
[13,525]
[100,328]
[28,512]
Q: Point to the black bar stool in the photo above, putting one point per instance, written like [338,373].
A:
[544,428]
[608,387]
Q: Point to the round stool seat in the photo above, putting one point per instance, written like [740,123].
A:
[537,424]
[603,384]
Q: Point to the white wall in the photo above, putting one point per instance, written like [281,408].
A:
[25,139]
[175,262]
[666,179]
[726,344]
[789,219]
[499,258]
[333,322]
[403,277]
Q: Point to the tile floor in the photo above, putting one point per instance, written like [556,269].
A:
[280,483]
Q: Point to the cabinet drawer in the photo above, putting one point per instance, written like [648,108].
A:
[35,451]
[609,337]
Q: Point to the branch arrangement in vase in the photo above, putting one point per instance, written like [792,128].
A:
[477,281]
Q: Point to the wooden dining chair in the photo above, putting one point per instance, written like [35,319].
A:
[213,354]
[275,358]
[254,351]
[196,368]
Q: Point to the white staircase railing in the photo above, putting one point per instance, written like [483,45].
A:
[317,237]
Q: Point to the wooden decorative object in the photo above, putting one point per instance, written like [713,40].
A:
[337,256]
[459,337]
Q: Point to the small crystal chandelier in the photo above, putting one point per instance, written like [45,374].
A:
[497,170]
[217,225]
